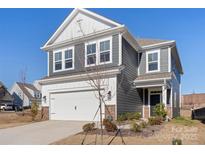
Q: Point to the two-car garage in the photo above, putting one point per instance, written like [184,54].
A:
[73,105]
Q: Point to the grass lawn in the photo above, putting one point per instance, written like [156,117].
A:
[189,131]
[12,119]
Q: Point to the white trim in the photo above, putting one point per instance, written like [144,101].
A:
[97,42]
[169,59]
[158,60]
[73,41]
[73,59]
[163,43]
[62,51]
[54,52]
[143,105]
[171,99]
[86,44]
[164,95]
[157,79]
[70,17]
[120,49]
[149,94]
[80,76]
[102,40]
[146,86]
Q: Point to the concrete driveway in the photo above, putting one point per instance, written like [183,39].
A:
[39,133]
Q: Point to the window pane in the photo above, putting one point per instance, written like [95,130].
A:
[68,64]
[91,59]
[58,56]
[91,48]
[68,54]
[58,65]
[153,57]
[104,57]
[153,66]
[105,45]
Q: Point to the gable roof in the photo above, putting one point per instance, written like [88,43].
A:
[24,86]
[7,96]
[71,16]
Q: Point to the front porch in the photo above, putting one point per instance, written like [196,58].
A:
[154,92]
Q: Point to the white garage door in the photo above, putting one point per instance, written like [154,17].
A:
[78,105]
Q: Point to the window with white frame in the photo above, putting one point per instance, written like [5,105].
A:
[58,61]
[153,61]
[91,54]
[105,51]
[68,58]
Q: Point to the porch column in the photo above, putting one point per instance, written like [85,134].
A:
[164,95]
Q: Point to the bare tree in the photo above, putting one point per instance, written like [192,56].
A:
[98,78]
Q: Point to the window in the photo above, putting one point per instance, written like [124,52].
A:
[153,61]
[68,59]
[105,51]
[58,61]
[63,60]
[91,54]
[99,52]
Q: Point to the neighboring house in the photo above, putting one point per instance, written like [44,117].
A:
[193,101]
[24,94]
[5,96]
[142,72]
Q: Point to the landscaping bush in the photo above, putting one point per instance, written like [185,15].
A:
[155,120]
[129,116]
[88,127]
[34,110]
[109,126]
[159,110]
[143,124]
[176,142]
[135,127]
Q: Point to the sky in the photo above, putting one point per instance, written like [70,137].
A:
[24,31]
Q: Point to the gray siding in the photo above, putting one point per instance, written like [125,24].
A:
[128,98]
[79,51]
[163,62]
[176,89]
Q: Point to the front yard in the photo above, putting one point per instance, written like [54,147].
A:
[189,131]
[12,119]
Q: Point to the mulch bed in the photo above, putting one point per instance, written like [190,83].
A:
[146,132]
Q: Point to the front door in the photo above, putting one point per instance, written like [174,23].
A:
[154,99]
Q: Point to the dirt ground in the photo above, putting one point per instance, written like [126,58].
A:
[162,135]
[12,119]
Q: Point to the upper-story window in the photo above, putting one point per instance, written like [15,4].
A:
[91,54]
[63,59]
[99,52]
[105,51]
[68,59]
[153,61]
[58,61]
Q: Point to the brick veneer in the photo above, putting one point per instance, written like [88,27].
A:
[146,112]
[45,113]
[169,111]
[110,111]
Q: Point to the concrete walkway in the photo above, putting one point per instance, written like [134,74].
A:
[39,133]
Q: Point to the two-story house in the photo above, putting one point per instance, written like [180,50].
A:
[141,72]
[24,94]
